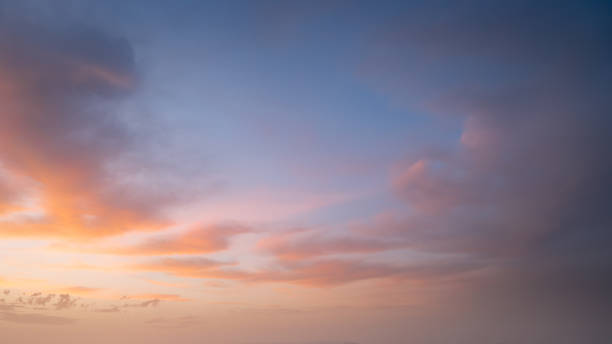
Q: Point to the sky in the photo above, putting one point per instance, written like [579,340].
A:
[305,172]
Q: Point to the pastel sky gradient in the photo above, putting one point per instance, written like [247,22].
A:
[305,172]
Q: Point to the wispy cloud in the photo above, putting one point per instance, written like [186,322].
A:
[311,273]
[303,244]
[198,240]
[165,297]
[184,321]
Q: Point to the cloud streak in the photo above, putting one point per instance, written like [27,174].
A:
[302,244]
[35,319]
[312,273]
[199,240]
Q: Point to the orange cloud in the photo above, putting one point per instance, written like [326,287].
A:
[166,284]
[313,273]
[187,267]
[57,132]
[317,274]
[163,297]
[205,239]
[8,199]
[326,273]
[81,290]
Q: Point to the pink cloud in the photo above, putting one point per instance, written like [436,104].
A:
[301,244]
[204,239]
[310,273]
[198,240]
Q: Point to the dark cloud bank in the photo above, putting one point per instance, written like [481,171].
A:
[528,189]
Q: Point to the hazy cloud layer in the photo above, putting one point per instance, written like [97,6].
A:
[35,319]
[529,180]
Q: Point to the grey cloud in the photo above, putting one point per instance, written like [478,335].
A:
[42,300]
[527,189]
[144,304]
[65,301]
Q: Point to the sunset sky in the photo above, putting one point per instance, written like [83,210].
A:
[305,172]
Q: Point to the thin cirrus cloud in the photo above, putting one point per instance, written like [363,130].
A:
[184,321]
[310,273]
[303,244]
[161,297]
[187,267]
[203,239]
[315,274]
[80,290]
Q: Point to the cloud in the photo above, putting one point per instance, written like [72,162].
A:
[35,319]
[327,342]
[143,304]
[113,309]
[80,290]
[325,273]
[65,301]
[35,299]
[528,183]
[61,131]
[184,321]
[165,297]
[9,197]
[311,273]
[190,267]
[40,300]
[166,284]
[205,239]
[301,244]
[199,240]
